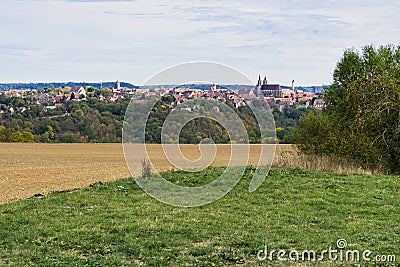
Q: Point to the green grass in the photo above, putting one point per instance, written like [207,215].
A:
[117,224]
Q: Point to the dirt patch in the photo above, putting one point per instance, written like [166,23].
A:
[29,169]
[34,169]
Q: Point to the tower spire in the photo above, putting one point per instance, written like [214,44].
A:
[265,80]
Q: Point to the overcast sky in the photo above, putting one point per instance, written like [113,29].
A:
[100,40]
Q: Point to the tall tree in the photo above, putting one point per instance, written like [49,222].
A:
[362,117]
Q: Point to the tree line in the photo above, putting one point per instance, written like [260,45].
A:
[72,122]
[98,121]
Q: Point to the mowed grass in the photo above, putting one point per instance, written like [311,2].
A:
[117,224]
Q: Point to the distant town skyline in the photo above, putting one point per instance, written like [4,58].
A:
[106,40]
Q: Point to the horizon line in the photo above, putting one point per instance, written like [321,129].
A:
[142,85]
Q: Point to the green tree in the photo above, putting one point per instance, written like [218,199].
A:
[4,134]
[49,134]
[362,117]
[22,137]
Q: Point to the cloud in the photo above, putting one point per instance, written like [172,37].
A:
[99,1]
[133,39]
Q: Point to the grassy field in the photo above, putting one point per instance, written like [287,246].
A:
[117,224]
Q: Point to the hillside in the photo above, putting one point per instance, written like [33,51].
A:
[96,121]
[117,224]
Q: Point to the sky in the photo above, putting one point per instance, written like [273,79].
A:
[132,40]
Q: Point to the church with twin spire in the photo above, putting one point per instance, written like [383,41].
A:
[268,89]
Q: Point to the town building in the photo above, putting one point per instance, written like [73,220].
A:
[268,89]
[78,91]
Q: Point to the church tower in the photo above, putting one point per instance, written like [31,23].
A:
[259,85]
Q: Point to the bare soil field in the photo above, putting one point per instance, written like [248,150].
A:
[29,169]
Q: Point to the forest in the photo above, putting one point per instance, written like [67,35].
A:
[97,121]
